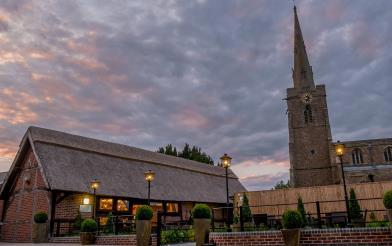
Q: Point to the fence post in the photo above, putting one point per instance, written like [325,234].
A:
[318,214]
[213,220]
[241,219]
[159,224]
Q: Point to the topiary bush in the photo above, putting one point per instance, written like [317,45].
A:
[354,207]
[387,199]
[89,225]
[144,212]
[201,211]
[301,210]
[291,219]
[40,217]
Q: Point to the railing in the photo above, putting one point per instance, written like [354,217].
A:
[173,231]
[323,216]
[121,224]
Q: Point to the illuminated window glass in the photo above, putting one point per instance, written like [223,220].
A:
[103,220]
[122,205]
[106,203]
[172,207]
[135,207]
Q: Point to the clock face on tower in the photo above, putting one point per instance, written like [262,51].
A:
[307,98]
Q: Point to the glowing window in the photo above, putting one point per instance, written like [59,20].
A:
[122,205]
[172,207]
[106,203]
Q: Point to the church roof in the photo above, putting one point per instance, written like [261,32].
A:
[70,162]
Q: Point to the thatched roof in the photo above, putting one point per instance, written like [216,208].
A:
[70,162]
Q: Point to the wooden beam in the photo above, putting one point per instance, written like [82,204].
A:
[52,211]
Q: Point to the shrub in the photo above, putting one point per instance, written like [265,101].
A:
[40,217]
[144,213]
[246,212]
[387,199]
[291,219]
[201,211]
[78,221]
[89,225]
[354,208]
[301,210]
[177,236]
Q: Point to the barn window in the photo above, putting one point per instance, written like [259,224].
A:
[308,114]
[388,154]
[357,156]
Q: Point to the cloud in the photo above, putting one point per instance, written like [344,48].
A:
[210,73]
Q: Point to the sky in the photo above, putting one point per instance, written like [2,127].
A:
[210,73]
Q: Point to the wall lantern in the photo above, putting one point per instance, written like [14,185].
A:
[86,201]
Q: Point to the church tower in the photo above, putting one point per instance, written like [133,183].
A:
[309,129]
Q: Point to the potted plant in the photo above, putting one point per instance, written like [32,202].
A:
[292,222]
[40,228]
[387,200]
[201,221]
[143,225]
[88,230]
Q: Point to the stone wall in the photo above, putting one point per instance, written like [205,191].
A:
[344,236]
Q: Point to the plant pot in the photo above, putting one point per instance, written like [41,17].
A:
[143,232]
[87,238]
[40,232]
[291,236]
[202,230]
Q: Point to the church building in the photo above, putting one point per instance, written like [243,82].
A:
[313,160]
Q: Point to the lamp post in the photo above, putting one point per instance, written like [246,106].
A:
[339,149]
[94,185]
[149,176]
[226,162]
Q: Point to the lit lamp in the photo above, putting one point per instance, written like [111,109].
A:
[226,162]
[94,185]
[339,150]
[86,201]
[149,177]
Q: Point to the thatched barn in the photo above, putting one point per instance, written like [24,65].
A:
[52,172]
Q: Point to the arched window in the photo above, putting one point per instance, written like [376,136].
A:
[308,114]
[388,154]
[357,156]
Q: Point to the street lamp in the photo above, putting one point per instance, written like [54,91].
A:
[94,185]
[149,176]
[226,162]
[339,150]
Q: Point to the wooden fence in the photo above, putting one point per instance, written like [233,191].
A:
[331,198]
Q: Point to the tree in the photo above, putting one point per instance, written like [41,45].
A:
[301,210]
[195,153]
[246,212]
[354,208]
[282,185]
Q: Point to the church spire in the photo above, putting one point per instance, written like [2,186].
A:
[302,72]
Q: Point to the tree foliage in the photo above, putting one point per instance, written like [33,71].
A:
[282,185]
[301,210]
[191,153]
[354,208]
[246,212]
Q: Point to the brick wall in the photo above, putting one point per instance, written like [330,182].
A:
[106,240]
[344,236]
[28,196]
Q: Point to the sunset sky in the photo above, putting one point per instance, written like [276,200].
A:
[211,73]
